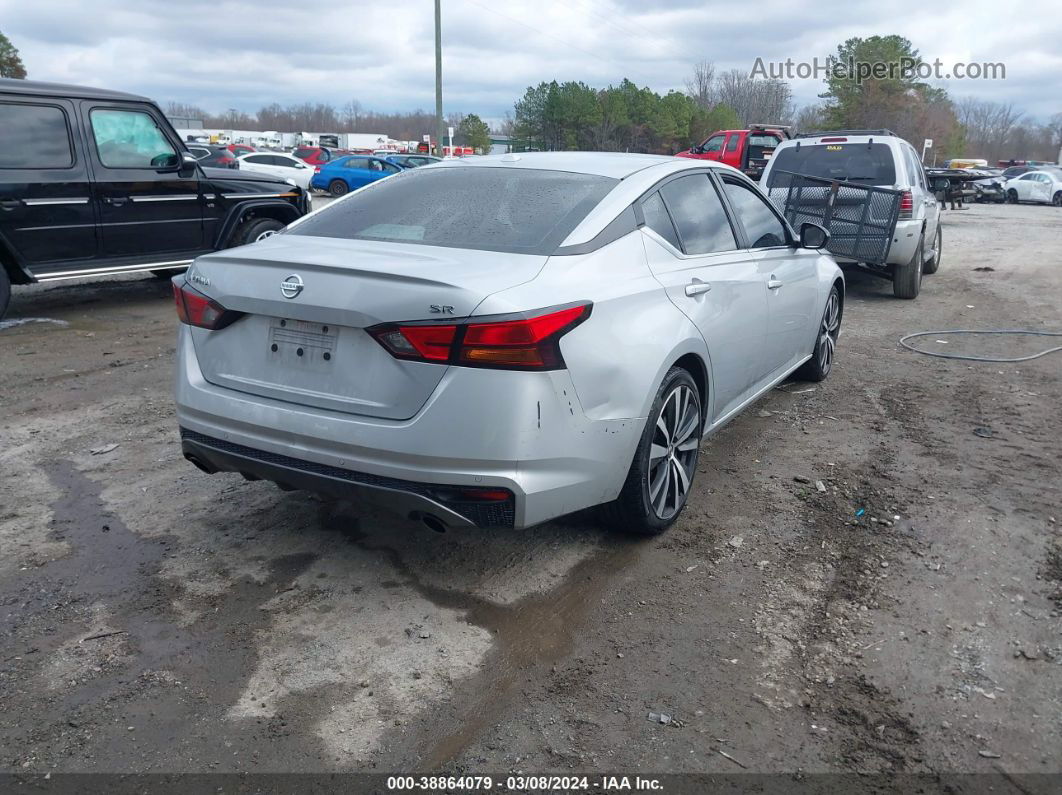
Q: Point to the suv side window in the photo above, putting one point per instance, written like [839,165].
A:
[913,166]
[762,226]
[657,219]
[130,139]
[34,136]
[698,214]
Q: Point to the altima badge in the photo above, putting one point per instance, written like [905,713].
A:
[292,286]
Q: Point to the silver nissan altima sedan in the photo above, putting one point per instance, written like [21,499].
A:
[500,340]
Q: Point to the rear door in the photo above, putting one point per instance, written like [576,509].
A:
[790,272]
[923,197]
[46,213]
[693,251]
[733,151]
[146,208]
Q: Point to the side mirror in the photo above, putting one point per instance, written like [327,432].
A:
[813,236]
[940,184]
[187,165]
[169,161]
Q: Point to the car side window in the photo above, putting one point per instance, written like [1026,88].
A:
[762,226]
[283,162]
[914,167]
[130,139]
[1028,176]
[732,143]
[356,162]
[657,219]
[260,160]
[714,144]
[698,213]
[390,168]
[34,136]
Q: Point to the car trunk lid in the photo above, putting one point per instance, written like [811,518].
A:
[303,339]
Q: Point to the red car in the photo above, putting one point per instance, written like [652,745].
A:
[241,149]
[746,150]
[314,155]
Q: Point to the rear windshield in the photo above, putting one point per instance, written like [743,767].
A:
[517,210]
[871,164]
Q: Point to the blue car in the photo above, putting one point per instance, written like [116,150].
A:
[351,172]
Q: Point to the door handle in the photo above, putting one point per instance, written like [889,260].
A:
[697,288]
[10,204]
[117,201]
[773,283]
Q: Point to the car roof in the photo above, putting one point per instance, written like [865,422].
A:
[33,87]
[617,165]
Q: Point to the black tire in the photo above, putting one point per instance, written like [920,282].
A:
[252,230]
[818,367]
[1012,196]
[5,291]
[907,279]
[338,187]
[933,264]
[637,509]
[1057,199]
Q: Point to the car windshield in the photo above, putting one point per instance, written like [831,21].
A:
[869,163]
[517,210]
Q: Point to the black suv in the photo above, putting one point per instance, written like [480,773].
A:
[96,182]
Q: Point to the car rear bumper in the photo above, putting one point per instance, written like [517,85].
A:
[520,431]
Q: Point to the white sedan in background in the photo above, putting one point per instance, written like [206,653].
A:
[1044,186]
[277,164]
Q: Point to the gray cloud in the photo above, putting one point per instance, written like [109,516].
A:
[245,53]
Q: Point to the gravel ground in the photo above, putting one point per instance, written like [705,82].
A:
[903,617]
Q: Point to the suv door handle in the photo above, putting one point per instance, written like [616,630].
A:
[697,288]
[773,283]
[117,201]
[10,204]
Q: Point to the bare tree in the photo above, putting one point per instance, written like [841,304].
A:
[700,87]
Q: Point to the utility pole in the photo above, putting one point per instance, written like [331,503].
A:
[438,79]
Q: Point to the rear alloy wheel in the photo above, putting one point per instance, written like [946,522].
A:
[934,262]
[818,367]
[338,187]
[665,463]
[907,279]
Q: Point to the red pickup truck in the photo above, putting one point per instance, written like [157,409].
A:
[746,150]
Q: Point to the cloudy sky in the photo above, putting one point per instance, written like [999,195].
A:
[222,54]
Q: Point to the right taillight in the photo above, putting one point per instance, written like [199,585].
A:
[196,309]
[526,343]
[906,205]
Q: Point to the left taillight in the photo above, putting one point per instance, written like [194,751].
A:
[196,309]
[526,343]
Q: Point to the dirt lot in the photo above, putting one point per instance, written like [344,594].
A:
[158,619]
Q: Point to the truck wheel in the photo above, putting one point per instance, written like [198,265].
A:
[338,187]
[665,462]
[907,279]
[934,263]
[255,229]
[5,292]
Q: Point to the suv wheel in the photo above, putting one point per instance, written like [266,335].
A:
[5,291]
[932,265]
[665,463]
[907,279]
[821,362]
[338,187]
[255,229]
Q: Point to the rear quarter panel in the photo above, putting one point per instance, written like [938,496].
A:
[619,356]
